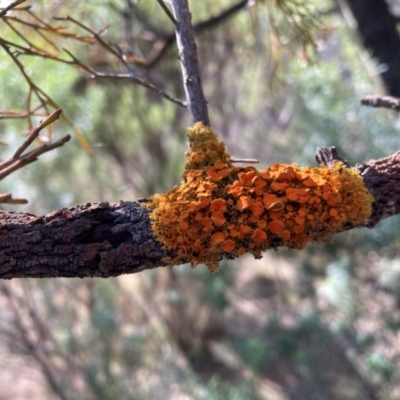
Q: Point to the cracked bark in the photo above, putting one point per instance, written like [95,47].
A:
[104,240]
[91,240]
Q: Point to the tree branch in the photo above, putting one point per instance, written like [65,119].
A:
[382,178]
[381,101]
[196,101]
[168,40]
[104,240]
[89,240]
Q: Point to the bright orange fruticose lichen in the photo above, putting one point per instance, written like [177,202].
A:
[224,211]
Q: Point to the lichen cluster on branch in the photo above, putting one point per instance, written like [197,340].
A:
[221,210]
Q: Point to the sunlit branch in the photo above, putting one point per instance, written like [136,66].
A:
[196,101]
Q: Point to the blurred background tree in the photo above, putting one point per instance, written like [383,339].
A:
[318,324]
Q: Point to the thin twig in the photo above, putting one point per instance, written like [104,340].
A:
[32,87]
[4,11]
[169,40]
[245,160]
[143,83]
[79,63]
[23,37]
[20,114]
[6,198]
[117,52]
[19,160]
[29,140]
[196,101]
[96,36]
[166,10]
[32,156]
[381,101]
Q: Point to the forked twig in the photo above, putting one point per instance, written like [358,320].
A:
[10,7]
[19,159]
[119,54]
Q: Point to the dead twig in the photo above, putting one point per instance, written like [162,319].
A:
[119,54]
[19,159]
[35,133]
[6,198]
[166,10]
[141,82]
[4,11]
[381,101]
[245,160]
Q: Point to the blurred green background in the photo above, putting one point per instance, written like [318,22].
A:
[323,323]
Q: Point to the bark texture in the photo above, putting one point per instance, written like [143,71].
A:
[378,31]
[382,178]
[88,240]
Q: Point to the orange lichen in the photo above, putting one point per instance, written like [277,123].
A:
[224,211]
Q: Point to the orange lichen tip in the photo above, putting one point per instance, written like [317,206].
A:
[205,149]
[224,211]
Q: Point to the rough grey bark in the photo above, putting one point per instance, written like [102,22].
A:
[382,178]
[104,240]
[88,240]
